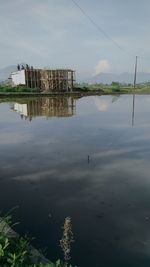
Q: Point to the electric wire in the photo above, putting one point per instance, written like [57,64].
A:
[100,29]
[118,46]
[106,34]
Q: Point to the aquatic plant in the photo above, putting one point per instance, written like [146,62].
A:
[16,251]
[67,239]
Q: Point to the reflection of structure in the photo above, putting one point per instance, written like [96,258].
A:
[115,98]
[133,109]
[48,107]
[21,108]
[45,79]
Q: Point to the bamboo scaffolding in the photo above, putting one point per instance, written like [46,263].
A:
[50,79]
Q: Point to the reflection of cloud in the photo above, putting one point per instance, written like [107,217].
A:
[36,176]
[13,138]
[116,184]
[102,66]
[102,105]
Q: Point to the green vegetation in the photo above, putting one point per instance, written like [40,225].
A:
[16,251]
[114,87]
[7,88]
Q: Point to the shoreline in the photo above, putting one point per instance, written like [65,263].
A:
[67,94]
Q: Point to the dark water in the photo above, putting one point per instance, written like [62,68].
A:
[86,158]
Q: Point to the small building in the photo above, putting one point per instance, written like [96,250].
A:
[45,79]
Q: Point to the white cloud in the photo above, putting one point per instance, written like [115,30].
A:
[102,66]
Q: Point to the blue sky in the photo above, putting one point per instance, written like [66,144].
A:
[55,33]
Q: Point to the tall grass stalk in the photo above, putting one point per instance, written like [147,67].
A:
[67,240]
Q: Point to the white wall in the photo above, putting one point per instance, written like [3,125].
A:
[21,108]
[18,77]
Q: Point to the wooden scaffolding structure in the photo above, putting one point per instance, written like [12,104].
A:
[50,79]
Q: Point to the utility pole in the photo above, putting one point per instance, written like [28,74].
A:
[135,74]
[133,105]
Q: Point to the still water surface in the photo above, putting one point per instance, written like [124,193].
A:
[87,158]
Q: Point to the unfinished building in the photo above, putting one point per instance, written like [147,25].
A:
[45,79]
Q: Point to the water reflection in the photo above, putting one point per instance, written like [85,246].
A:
[133,110]
[104,104]
[47,107]
[93,167]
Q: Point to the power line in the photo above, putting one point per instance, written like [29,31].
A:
[106,34]
[100,29]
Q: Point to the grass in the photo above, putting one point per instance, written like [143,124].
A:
[16,251]
[7,88]
[85,88]
[113,88]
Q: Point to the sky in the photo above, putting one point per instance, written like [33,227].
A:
[56,33]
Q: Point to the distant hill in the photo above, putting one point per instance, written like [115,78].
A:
[108,78]
[105,78]
[5,72]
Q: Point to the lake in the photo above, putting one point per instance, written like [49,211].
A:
[87,158]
